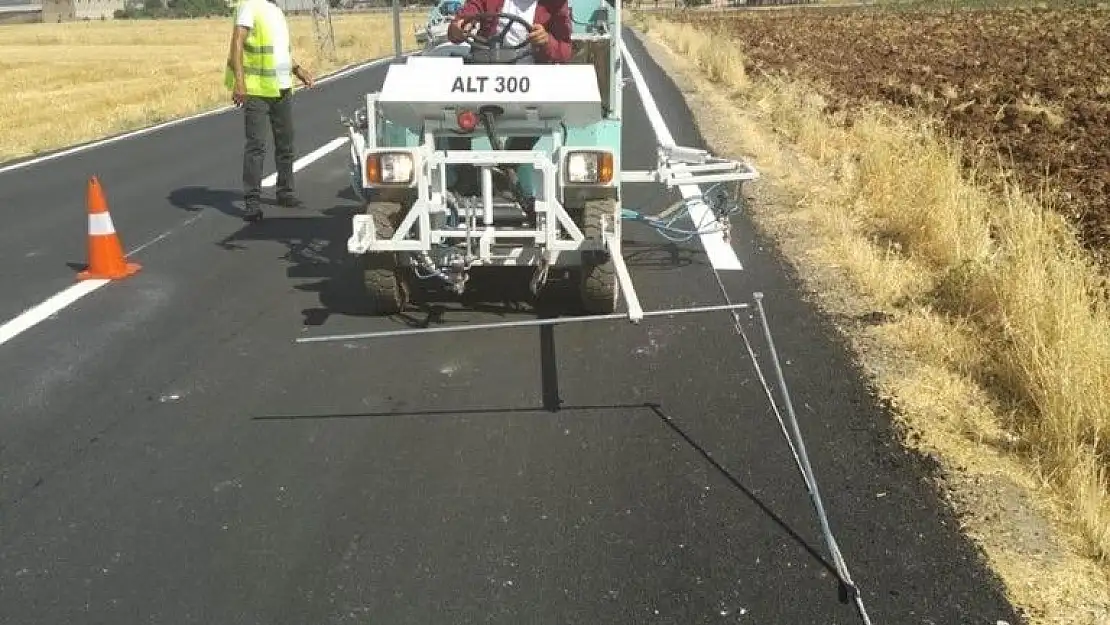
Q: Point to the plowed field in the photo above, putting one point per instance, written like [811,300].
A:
[1033,85]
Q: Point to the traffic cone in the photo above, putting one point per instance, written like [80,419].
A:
[106,260]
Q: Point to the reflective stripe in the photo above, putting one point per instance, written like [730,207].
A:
[100,224]
[248,47]
[258,71]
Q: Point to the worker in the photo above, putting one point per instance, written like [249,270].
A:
[260,73]
[550,19]
[550,40]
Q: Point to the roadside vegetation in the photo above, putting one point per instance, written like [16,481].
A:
[175,9]
[71,82]
[948,182]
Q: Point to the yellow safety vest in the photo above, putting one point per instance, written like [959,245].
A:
[259,70]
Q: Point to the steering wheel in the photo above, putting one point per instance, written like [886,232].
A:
[491,49]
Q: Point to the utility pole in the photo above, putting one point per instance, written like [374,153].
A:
[322,29]
[397,30]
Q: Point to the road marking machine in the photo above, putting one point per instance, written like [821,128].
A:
[468,157]
[447,190]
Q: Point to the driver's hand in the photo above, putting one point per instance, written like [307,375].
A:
[455,32]
[538,36]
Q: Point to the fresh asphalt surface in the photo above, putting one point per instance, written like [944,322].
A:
[169,455]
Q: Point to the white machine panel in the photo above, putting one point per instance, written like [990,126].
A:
[423,86]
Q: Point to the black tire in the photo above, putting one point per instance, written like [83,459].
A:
[383,277]
[598,287]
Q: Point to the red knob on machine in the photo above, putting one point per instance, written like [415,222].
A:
[468,120]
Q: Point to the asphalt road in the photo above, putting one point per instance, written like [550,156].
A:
[169,455]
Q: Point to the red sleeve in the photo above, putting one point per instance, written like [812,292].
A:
[558,48]
[471,7]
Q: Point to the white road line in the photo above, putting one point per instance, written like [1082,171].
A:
[309,158]
[45,310]
[717,248]
[188,222]
[143,131]
[36,315]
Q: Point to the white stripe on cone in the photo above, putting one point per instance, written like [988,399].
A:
[100,224]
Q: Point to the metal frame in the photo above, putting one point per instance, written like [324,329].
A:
[430,182]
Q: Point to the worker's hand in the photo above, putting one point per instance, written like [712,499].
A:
[538,36]
[239,93]
[455,32]
[306,77]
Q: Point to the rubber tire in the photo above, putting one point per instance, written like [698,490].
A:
[599,289]
[383,278]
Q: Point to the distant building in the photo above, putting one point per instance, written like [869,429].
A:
[71,10]
[20,13]
[295,7]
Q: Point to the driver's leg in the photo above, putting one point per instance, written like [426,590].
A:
[525,173]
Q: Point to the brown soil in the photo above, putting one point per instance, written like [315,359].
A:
[1029,86]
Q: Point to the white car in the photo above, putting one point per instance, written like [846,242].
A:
[434,31]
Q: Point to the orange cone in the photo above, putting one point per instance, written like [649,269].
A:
[106,260]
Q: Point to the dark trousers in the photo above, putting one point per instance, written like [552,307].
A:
[279,113]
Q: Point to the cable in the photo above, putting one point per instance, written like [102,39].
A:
[666,228]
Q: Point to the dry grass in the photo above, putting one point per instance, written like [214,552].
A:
[997,349]
[72,82]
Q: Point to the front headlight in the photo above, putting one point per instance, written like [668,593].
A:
[389,168]
[589,167]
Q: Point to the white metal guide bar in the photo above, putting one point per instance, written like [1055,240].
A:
[677,165]
[517,324]
[797,447]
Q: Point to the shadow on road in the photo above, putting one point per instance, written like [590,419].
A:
[194,199]
[657,410]
[673,425]
[317,257]
[661,255]
[228,202]
[347,193]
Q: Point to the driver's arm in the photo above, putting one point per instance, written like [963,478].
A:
[455,32]
[558,48]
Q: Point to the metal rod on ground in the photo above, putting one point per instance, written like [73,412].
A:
[397,29]
[517,324]
[807,469]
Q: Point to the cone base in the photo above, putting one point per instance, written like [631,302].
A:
[128,270]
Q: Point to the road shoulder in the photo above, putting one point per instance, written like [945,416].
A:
[1042,569]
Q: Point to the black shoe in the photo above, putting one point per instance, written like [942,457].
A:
[290,201]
